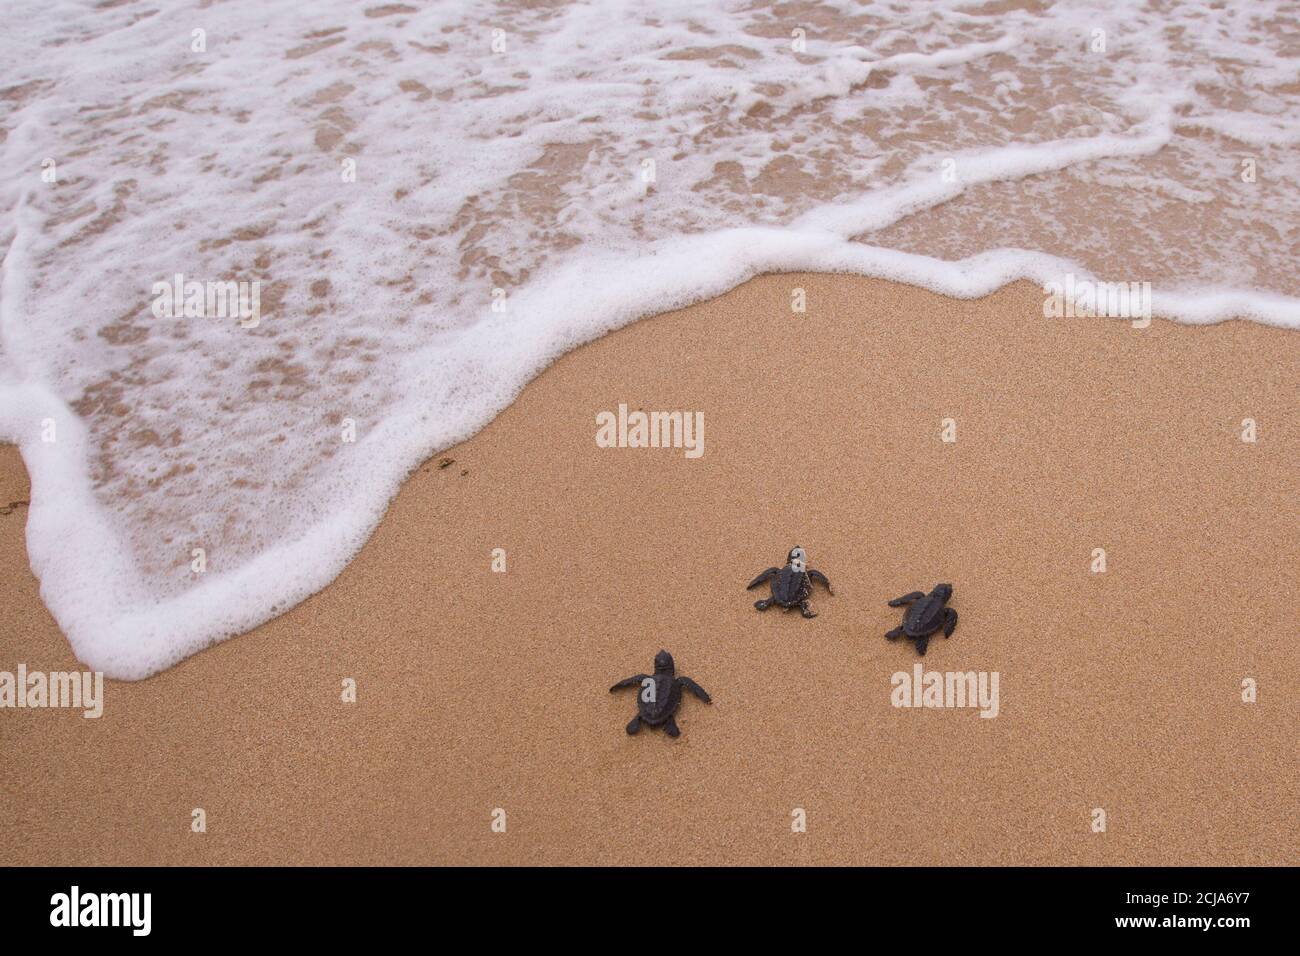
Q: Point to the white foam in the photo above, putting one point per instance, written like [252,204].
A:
[938,145]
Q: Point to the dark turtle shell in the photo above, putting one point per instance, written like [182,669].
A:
[790,587]
[924,616]
[667,697]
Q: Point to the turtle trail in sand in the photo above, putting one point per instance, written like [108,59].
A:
[792,584]
[660,695]
[926,614]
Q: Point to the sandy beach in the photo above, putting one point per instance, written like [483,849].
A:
[479,690]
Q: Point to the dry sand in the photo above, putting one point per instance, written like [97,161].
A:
[480,690]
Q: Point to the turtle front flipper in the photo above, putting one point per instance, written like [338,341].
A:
[695,689]
[949,621]
[818,576]
[906,599]
[895,634]
[762,577]
[628,682]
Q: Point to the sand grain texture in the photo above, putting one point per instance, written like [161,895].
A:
[480,690]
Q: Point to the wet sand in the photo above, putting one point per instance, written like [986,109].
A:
[479,690]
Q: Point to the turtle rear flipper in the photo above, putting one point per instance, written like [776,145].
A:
[895,634]
[634,724]
[670,728]
[949,622]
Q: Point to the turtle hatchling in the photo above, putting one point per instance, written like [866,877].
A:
[660,695]
[925,614]
[792,584]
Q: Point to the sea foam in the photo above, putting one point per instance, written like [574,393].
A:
[438,201]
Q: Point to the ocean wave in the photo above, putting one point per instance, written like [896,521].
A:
[425,205]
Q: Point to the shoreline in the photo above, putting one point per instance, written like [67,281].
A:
[480,689]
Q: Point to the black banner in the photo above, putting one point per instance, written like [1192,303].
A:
[1176,905]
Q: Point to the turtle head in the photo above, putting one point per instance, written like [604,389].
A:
[663,663]
[796,554]
[943,591]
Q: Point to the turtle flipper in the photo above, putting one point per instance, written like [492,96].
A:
[806,609]
[762,577]
[628,682]
[949,621]
[695,689]
[906,599]
[764,604]
[895,634]
[818,576]
[634,725]
[670,728]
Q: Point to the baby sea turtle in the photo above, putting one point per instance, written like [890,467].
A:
[925,614]
[792,584]
[660,695]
